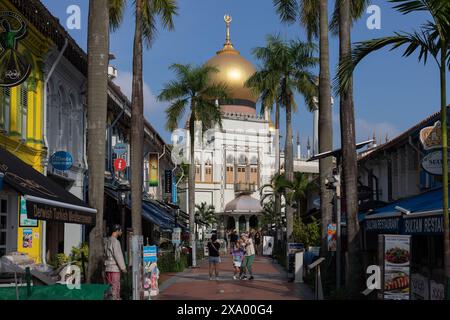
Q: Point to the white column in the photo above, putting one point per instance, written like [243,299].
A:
[236,224]
[247,223]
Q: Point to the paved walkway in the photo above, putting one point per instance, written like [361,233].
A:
[270,283]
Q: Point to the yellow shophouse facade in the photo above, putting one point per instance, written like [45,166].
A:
[22,129]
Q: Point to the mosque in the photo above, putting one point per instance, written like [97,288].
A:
[240,157]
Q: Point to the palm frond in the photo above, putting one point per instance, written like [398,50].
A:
[414,41]
[175,113]
[116,11]
[357,9]
[309,18]
[164,10]
[173,90]
[287,10]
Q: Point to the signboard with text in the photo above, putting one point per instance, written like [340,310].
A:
[168,181]
[153,175]
[395,251]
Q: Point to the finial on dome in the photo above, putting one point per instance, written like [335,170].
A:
[227,18]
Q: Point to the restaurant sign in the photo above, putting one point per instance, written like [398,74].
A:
[432,163]
[424,225]
[385,225]
[44,212]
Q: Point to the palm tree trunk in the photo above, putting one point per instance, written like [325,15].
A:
[325,124]
[445,164]
[352,275]
[137,127]
[277,155]
[288,164]
[191,188]
[98,59]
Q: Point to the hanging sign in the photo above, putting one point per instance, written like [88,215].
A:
[168,181]
[14,67]
[24,221]
[332,237]
[176,236]
[120,149]
[61,160]
[174,191]
[431,137]
[153,170]
[432,163]
[120,164]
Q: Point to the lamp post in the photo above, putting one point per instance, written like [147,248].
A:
[123,193]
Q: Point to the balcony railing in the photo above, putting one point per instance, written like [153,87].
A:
[245,187]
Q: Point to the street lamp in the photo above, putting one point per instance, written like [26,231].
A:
[122,191]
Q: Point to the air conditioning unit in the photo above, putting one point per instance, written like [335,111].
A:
[112,72]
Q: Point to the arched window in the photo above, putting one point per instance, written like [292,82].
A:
[23,109]
[208,171]
[198,174]
[76,134]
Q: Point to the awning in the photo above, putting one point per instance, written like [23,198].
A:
[420,214]
[45,199]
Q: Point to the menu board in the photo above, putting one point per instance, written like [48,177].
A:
[396,250]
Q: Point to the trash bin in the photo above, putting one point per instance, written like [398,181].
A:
[190,256]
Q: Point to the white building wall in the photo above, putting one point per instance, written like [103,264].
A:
[65,132]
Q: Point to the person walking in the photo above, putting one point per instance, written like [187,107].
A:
[114,261]
[257,238]
[233,239]
[214,256]
[249,257]
[238,256]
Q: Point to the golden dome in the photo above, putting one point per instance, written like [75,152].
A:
[234,71]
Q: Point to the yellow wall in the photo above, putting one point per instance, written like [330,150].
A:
[31,150]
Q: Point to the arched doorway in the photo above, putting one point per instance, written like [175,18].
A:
[242,226]
[231,225]
[254,222]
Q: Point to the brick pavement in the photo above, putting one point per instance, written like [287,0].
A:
[270,283]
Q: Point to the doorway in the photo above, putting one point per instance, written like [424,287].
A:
[8,223]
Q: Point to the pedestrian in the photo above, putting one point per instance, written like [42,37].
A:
[249,257]
[257,243]
[233,238]
[114,261]
[238,257]
[214,256]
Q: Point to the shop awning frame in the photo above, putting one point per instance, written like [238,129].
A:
[59,204]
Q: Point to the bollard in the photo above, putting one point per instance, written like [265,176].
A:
[28,278]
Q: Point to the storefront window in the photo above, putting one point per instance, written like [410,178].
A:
[5,103]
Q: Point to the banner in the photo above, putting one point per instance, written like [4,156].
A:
[174,190]
[176,236]
[396,254]
[153,165]
[168,181]
[332,237]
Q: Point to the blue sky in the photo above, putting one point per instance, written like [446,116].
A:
[391,93]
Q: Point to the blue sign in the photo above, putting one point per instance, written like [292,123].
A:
[61,160]
[120,149]
[174,190]
[150,254]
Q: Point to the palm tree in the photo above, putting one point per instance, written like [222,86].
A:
[299,189]
[313,16]
[146,14]
[268,88]
[433,40]
[98,53]
[145,28]
[193,89]
[206,213]
[287,64]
